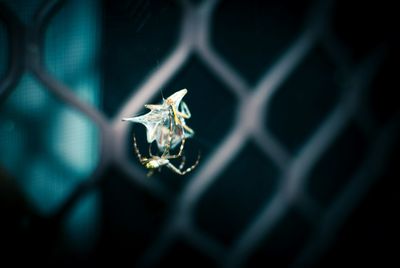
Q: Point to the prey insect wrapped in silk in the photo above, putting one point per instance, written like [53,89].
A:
[157,121]
[165,124]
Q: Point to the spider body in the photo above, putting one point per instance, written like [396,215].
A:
[154,162]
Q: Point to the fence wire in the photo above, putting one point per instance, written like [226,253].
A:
[249,125]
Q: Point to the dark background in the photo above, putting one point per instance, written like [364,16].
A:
[69,195]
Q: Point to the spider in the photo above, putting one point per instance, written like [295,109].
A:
[157,162]
[154,162]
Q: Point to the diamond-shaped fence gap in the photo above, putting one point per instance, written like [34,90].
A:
[369,198]
[82,224]
[281,247]
[182,254]
[212,107]
[382,100]
[233,200]
[308,207]
[362,27]
[334,169]
[131,218]
[4,50]
[72,48]
[210,102]
[304,100]
[338,52]
[268,28]
[49,147]
[16,207]
[25,10]
[137,37]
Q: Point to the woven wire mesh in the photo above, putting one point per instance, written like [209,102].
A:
[251,125]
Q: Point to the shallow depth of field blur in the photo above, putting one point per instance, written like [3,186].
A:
[295,114]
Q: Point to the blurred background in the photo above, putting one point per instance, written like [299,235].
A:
[295,114]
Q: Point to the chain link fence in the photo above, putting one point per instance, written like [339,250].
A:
[290,145]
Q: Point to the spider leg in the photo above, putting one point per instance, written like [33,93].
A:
[174,169]
[182,163]
[182,115]
[150,153]
[168,145]
[150,173]
[176,118]
[185,110]
[186,116]
[180,151]
[188,129]
[193,166]
[180,172]
[137,149]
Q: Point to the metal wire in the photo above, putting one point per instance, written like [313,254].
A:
[254,104]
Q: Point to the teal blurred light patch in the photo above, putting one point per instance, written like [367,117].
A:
[49,147]
[46,144]
[71,48]
[81,227]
